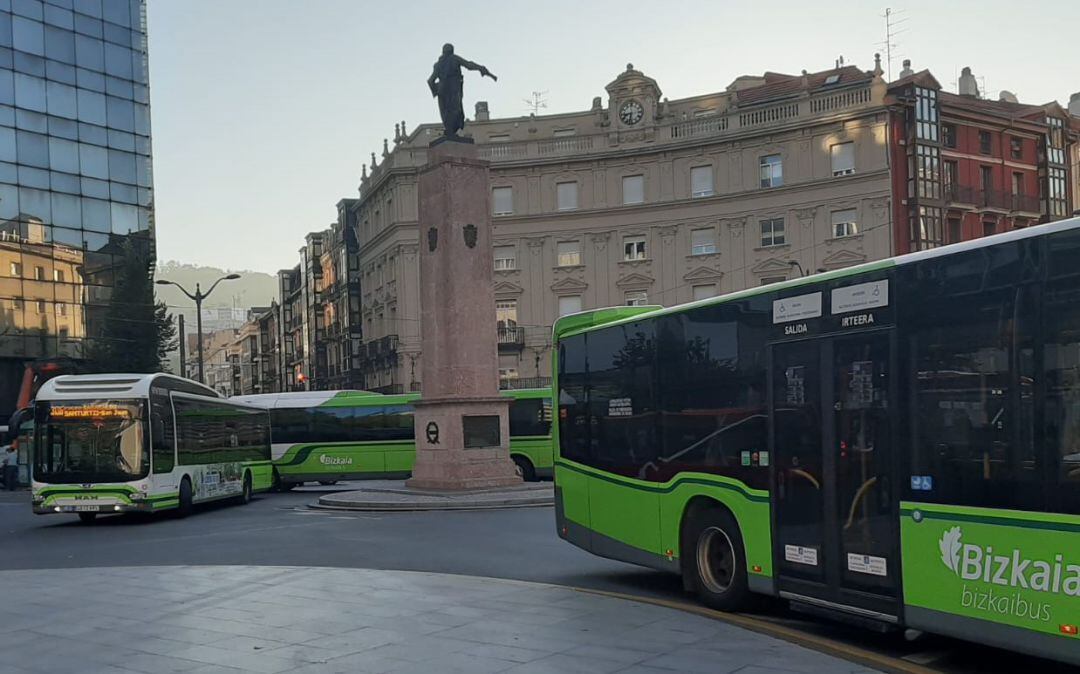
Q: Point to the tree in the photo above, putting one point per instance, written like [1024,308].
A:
[137,333]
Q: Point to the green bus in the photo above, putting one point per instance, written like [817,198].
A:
[327,436]
[895,444]
[114,443]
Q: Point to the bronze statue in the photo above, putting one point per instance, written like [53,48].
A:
[446,83]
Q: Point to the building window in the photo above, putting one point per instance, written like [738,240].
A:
[633,248]
[1055,141]
[39,273]
[508,373]
[568,253]
[926,229]
[61,309]
[41,306]
[956,230]
[772,171]
[1057,198]
[769,280]
[701,181]
[989,227]
[703,241]
[1018,184]
[772,232]
[58,275]
[633,189]
[16,269]
[506,313]
[985,142]
[1016,147]
[948,135]
[844,223]
[503,198]
[636,298]
[928,171]
[986,176]
[843,159]
[926,114]
[566,196]
[704,291]
[949,179]
[505,258]
[569,304]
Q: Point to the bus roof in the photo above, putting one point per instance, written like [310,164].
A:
[587,320]
[120,385]
[298,399]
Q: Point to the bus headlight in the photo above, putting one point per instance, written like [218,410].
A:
[117,508]
[58,509]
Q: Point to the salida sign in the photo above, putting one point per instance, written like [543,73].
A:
[1017,575]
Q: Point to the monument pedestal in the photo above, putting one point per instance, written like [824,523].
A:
[462,423]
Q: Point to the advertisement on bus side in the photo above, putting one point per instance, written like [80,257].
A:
[1019,569]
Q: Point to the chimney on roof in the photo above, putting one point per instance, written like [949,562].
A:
[1074,104]
[1007,96]
[968,86]
[907,71]
[482,113]
[877,65]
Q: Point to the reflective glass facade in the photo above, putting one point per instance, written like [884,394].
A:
[75,171]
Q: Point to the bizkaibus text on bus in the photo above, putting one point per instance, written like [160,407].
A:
[896,444]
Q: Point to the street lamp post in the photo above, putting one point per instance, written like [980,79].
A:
[198,298]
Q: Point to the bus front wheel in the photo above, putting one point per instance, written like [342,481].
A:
[87,518]
[185,506]
[524,468]
[715,559]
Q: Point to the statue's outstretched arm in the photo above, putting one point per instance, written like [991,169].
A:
[484,72]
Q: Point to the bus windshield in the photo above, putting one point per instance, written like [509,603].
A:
[81,442]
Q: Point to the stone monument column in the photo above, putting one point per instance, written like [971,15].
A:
[462,425]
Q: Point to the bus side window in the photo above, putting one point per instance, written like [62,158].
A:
[1061,371]
[530,417]
[162,433]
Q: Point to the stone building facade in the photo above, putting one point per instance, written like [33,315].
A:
[637,200]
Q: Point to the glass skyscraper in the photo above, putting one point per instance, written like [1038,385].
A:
[75,175]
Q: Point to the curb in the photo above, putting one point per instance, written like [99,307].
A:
[411,507]
[447,503]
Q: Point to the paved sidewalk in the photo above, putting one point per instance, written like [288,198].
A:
[288,619]
[386,495]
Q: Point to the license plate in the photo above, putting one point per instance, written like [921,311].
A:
[85,509]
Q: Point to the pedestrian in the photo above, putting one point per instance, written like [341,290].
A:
[10,463]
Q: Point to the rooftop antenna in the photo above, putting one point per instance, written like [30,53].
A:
[537,102]
[891,31]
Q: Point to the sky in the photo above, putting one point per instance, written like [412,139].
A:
[264,110]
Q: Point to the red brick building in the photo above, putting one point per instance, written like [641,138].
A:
[965,167]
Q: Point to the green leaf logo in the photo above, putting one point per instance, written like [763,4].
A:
[950,548]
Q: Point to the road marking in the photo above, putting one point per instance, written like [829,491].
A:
[818,643]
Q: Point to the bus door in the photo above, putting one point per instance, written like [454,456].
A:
[835,526]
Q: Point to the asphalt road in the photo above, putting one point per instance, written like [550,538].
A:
[279,529]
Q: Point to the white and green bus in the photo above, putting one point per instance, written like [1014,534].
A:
[114,443]
[327,436]
[895,444]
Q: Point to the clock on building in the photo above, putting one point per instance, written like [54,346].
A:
[631,113]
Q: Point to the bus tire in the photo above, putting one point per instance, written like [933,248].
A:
[245,491]
[327,483]
[87,518]
[715,560]
[287,486]
[186,503]
[524,468]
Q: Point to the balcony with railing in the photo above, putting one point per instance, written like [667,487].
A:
[991,199]
[510,337]
[378,354]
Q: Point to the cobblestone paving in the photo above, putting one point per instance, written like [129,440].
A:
[288,619]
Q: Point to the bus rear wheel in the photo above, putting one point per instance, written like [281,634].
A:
[524,468]
[715,560]
[184,509]
[87,518]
